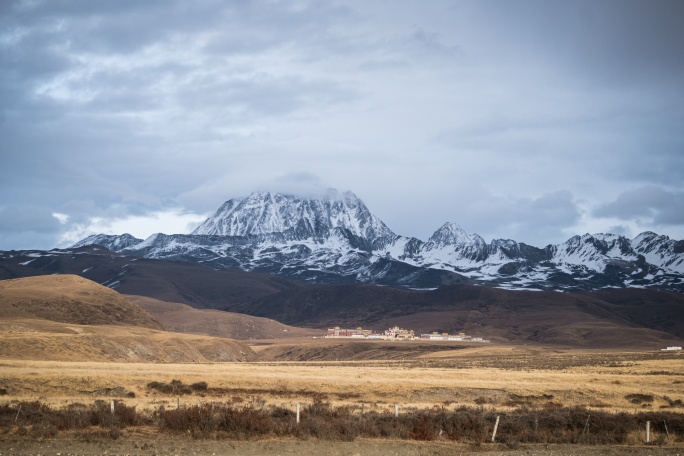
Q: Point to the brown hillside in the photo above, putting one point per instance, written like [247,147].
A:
[69,318]
[194,284]
[183,318]
[48,340]
[69,299]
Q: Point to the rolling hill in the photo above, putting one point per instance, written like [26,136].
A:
[69,299]
[69,318]
[185,319]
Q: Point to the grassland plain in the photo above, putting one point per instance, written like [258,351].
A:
[497,377]
[491,379]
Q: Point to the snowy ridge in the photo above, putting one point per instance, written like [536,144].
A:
[336,238]
[265,213]
[110,241]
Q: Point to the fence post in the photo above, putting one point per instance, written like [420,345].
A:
[112,406]
[396,410]
[178,402]
[586,426]
[666,431]
[297,412]
[496,426]
[648,431]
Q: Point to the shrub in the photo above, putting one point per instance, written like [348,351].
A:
[199,386]
[176,387]
[321,420]
[637,398]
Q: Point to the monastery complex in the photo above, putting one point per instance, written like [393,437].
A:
[397,333]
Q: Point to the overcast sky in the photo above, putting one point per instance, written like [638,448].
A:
[533,120]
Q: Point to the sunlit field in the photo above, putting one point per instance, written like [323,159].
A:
[491,377]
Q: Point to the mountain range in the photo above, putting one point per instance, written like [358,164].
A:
[625,317]
[335,239]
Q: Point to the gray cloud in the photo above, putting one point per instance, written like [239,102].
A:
[523,219]
[28,227]
[608,43]
[513,119]
[646,204]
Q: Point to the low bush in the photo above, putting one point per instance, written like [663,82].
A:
[175,387]
[639,398]
[321,420]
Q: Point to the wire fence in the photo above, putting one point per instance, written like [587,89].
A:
[322,420]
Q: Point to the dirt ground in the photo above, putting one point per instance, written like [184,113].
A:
[360,447]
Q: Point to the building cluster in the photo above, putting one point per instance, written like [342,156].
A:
[397,333]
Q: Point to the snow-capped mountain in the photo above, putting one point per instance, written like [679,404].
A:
[335,238]
[112,242]
[267,213]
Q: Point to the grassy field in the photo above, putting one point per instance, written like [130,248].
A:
[447,400]
[496,377]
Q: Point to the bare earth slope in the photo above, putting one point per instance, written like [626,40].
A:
[183,318]
[69,299]
[69,318]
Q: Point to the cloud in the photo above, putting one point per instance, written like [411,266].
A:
[140,226]
[611,43]
[523,219]
[649,204]
[15,219]
[27,227]
[509,119]
[302,183]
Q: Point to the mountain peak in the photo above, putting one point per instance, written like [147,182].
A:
[452,234]
[112,242]
[267,213]
[333,236]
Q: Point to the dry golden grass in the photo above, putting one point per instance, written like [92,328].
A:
[468,377]
[183,318]
[69,318]
[42,339]
[69,299]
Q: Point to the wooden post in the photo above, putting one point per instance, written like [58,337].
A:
[17,417]
[648,431]
[396,410]
[297,412]
[666,431]
[112,407]
[496,426]
[586,426]
[536,426]
[178,402]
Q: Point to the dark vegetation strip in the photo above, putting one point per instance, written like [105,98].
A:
[321,420]
[178,388]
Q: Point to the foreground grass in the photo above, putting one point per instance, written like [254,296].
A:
[498,379]
[321,420]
